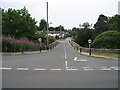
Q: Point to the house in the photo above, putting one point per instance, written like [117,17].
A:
[60,34]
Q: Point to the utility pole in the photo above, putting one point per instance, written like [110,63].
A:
[47,26]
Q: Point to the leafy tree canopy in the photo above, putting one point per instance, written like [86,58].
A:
[18,23]
[108,39]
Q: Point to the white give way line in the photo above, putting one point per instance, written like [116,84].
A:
[82,60]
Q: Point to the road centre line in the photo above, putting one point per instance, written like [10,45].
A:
[66,63]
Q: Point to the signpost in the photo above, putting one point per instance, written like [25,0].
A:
[40,40]
[89,41]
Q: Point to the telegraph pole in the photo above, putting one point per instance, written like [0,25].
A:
[47,26]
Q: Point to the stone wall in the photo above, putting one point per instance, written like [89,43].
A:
[82,49]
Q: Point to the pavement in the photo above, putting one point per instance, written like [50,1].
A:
[20,53]
[61,67]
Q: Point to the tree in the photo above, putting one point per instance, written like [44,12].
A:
[59,28]
[108,39]
[114,23]
[101,25]
[18,23]
[43,25]
[82,35]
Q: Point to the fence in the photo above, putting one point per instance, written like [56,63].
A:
[82,49]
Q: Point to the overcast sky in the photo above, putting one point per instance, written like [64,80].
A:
[69,13]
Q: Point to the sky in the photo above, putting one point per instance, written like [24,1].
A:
[68,13]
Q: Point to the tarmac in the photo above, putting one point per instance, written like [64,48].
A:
[36,52]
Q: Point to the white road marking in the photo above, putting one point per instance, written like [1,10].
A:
[39,69]
[105,69]
[82,60]
[113,67]
[72,69]
[66,63]
[75,58]
[5,68]
[23,69]
[116,69]
[55,69]
[88,69]
[65,57]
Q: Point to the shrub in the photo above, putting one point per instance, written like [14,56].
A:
[10,44]
[108,39]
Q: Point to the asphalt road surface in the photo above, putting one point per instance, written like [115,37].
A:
[61,67]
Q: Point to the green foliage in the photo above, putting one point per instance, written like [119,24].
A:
[51,39]
[108,39]
[12,46]
[43,25]
[18,23]
[101,25]
[114,23]
[81,35]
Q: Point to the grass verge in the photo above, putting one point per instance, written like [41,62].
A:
[111,55]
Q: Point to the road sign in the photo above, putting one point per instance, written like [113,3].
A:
[89,41]
[39,40]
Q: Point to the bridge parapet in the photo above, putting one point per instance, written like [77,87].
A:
[82,49]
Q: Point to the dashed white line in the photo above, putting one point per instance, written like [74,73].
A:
[66,63]
[55,69]
[105,69]
[39,69]
[72,69]
[5,68]
[24,69]
[88,69]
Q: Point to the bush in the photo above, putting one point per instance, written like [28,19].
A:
[108,39]
[10,44]
[51,39]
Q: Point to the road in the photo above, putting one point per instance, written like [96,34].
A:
[61,67]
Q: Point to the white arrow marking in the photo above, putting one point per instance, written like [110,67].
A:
[75,58]
[82,60]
